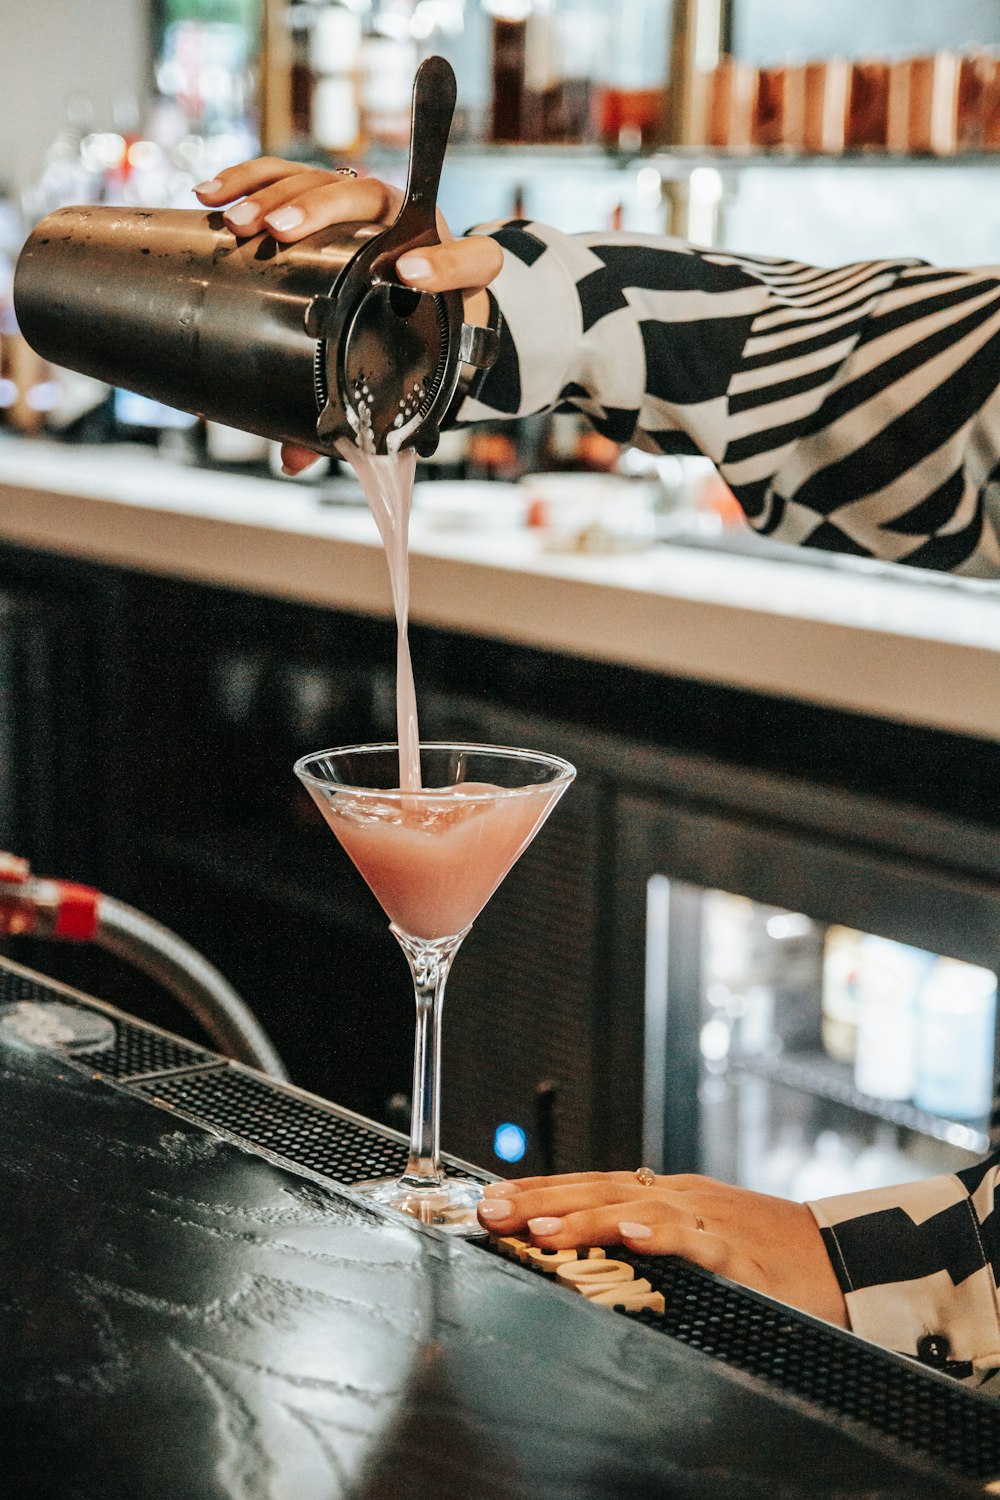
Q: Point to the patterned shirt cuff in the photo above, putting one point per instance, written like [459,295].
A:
[538,325]
[913,1269]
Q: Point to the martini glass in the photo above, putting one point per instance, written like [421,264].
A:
[433,858]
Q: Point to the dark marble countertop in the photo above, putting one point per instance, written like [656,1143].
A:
[181,1318]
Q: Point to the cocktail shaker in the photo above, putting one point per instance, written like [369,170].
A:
[307,343]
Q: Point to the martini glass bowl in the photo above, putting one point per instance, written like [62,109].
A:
[433,858]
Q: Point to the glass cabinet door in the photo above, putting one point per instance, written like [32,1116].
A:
[817,1017]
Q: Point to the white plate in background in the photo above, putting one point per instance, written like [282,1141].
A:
[469,504]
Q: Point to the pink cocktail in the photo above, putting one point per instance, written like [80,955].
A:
[433,858]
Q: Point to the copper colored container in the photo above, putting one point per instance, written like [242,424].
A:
[826,86]
[732,107]
[868,106]
[987,102]
[779,121]
[929,104]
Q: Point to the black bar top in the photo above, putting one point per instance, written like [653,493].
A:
[183,1318]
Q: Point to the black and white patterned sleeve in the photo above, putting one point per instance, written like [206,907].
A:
[855,409]
[918,1266]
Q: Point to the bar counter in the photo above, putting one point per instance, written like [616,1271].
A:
[870,639]
[184,1313]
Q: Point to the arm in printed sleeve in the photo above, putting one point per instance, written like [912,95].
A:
[854,409]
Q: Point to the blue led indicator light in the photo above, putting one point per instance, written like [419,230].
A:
[509,1142]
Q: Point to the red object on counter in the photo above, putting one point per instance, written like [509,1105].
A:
[76,916]
[45,908]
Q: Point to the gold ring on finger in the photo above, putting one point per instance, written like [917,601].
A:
[345,172]
[646,1176]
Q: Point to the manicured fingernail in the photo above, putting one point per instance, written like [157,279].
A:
[284,218]
[413,267]
[545,1226]
[243,213]
[634,1231]
[497,1208]
[495,1189]
[212,186]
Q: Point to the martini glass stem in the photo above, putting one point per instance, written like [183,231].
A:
[430,962]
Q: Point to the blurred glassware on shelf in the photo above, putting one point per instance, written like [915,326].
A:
[956,1038]
[731,105]
[890,975]
[335,57]
[508,112]
[923,108]
[779,117]
[867,105]
[631,77]
[207,65]
[841,1001]
[825,89]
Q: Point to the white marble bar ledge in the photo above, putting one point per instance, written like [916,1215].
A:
[884,642]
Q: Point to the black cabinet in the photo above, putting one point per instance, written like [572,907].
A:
[147,747]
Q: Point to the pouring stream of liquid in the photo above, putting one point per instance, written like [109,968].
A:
[387,481]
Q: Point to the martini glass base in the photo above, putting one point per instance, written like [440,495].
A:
[449,1206]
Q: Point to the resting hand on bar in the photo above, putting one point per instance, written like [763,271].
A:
[290,201]
[766,1243]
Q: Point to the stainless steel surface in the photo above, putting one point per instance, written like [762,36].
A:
[167,302]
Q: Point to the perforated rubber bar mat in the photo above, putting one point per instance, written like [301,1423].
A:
[924,1412]
[301,1131]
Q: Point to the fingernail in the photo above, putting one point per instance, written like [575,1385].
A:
[413,267]
[285,218]
[634,1231]
[545,1226]
[495,1189]
[497,1208]
[243,213]
[212,186]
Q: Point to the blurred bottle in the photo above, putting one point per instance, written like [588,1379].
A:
[956,1040]
[826,85]
[388,61]
[889,979]
[841,993]
[300,20]
[868,105]
[458,30]
[632,76]
[508,115]
[779,121]
[335,57]
[732,90]
[578,35]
